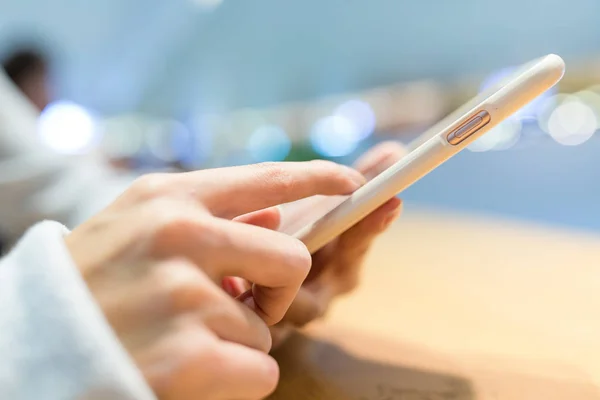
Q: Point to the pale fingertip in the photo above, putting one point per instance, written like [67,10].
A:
[277,217]
[401,205]
[394,148]
[280,210]
[357,178]
[376,218]
[379,158]
[391,205]
[389,151]
[268,218]
[389,220]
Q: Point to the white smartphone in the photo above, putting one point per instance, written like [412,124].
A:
[434,147]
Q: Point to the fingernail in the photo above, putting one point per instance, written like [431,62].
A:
[227,286]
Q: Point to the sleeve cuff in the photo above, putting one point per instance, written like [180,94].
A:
[55,342]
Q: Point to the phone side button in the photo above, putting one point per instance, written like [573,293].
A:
[471,125]
[467,129]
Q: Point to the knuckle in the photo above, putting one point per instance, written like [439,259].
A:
[163,209]
[200,364]
[184,350]
[276,174]
[174,219]
[149,186]
[299,259]
[218,361]
[168,222]
[178,230]
[180,286]
[263,383]
[220,310]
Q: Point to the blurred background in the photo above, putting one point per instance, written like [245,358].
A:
[190,84]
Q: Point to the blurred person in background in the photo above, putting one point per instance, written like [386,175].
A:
[28,69]
[37,183]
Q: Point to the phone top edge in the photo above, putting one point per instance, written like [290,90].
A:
[494,107]
[523,88]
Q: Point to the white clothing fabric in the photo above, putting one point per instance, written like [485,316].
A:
[55,343]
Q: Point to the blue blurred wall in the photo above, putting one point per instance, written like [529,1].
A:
[546,183]
[170,56]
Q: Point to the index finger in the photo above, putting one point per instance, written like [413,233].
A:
[232,191]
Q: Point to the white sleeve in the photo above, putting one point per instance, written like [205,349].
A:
[37,183]
[54,341]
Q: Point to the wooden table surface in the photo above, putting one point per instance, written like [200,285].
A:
[459,307]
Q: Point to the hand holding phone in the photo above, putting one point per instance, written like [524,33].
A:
[433,148]
[336,268]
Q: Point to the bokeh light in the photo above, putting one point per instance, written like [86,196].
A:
[572,122]
[531,111]
[203,130]
[67,128]
[506,134]
[269,143]
[123,137]
[547,108]
[335,136]
[182,142]
[592,99]
[162,139]
[360,114]
[502,137]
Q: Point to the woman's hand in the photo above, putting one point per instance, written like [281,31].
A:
[154,260]
[336,268]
